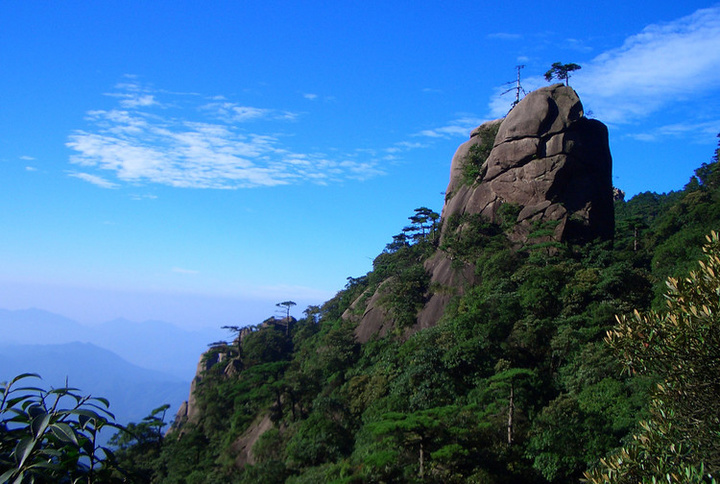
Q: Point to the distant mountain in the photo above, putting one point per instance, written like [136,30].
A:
[133,391]
[35,326]
[156,345]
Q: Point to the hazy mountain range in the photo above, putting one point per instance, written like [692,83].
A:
[137,366]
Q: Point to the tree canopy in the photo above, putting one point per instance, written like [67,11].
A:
[561,72]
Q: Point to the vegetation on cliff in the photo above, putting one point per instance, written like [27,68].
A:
[515,383]
[527,378]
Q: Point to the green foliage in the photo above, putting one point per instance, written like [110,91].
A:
[405,294]
[682,347]
[561,72]
[52,435]
[473,165]
[514,384]
[265,346]
[468,236]
[137,446]
[318,439]
[507,215]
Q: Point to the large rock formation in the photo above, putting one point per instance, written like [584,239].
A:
[546,158]
[545,164]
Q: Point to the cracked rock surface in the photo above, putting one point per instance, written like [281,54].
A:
[548,159]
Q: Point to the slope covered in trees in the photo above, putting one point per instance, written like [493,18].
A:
[514,384]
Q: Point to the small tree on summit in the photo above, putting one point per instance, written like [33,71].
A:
[287,305]
[561,72]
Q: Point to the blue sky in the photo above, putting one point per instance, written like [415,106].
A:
[199,162]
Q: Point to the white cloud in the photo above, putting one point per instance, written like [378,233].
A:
[30,168]
[200,146]
[576,45]
[404,146]
[234,113]
[95,180]
[701,132]
[310,96]
[143,197]
[457,128]
[662,64]
[138,100]
[27,158]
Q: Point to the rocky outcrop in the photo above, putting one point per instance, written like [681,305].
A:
[187,412]
[546,165]
[243,447]
[226,355]
[550,163]
[374,320]
[549,160]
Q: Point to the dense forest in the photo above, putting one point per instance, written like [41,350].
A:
[528,377]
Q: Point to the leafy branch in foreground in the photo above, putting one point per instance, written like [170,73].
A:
[681,440]
[52,435]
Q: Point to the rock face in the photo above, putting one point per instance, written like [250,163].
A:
[242,447]
[187,412]
[546,165]
[550,163]
[549,160]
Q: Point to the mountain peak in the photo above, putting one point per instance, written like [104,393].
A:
[547,161]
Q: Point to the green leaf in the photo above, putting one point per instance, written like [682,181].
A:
[19,478]
[36,410]
[103,410]
[26,390]
[23,376]
[6,476]
[39,424]
[23,449]
[11,402]
[87,446]
[64,432]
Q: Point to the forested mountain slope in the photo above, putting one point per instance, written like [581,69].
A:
[512,383]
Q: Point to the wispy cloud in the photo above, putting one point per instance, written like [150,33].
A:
[658,66]
[95,180]
[234,113]
[701,132]
[661,67]
[310,96]
[460,127]
[27,158]
[576,45]
[143,197]
[182,140]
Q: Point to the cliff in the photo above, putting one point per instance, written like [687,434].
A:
[544,172]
